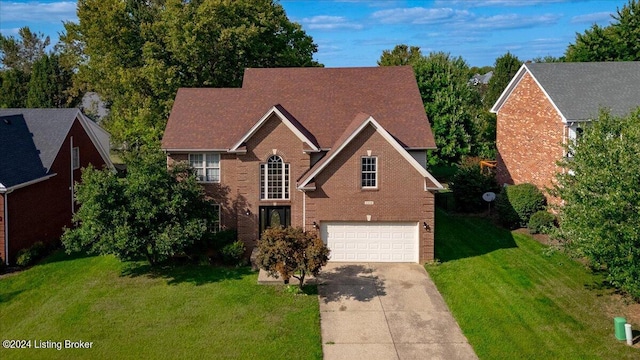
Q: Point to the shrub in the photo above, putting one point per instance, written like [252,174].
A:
[469,183]
[233,254]
[222,238]
[516,204]
[291,252]
[30,255]
[541,221]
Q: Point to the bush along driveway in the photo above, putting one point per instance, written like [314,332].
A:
[130,311]
[513,298]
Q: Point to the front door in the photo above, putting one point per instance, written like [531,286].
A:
[273,216]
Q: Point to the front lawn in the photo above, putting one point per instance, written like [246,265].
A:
[513,299]
[131,312]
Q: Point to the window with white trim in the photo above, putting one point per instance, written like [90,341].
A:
[206,166]
[274,179]
[75,158]
[369,172]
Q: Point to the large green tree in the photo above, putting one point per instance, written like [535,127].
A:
[600,190]
[450,105]
[152,212]
[13,88]
[619,41]
[22,52]
[49,84]
[505,67]
[136,54]
[400,55]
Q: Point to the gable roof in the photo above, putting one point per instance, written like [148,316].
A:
[303,134]
[579,90]
[30,140]
[322,100]
[359,123]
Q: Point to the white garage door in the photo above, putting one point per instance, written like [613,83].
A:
[371,241]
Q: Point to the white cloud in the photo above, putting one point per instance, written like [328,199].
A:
[592,18]
[496,3]
[512,21]
[417,15]
[53,12]
[9,31]
[325,22]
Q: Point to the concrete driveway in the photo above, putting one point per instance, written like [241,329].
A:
[386,311]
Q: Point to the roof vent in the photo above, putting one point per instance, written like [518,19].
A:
[7,121]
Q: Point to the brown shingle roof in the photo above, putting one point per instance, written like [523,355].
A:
[324,101]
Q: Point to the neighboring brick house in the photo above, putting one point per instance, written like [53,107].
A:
[339,150]
[42,152]
[546,105]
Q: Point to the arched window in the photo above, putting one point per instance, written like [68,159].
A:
[274,179]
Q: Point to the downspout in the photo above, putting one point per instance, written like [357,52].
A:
[304,210]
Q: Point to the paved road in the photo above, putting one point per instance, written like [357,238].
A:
[386,311]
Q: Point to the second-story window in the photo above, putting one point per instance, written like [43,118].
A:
[206,166]
[369,172]
[274,179]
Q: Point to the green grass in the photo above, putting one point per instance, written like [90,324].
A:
[129,311]
[513,301]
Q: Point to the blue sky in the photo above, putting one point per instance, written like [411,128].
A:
[355,32]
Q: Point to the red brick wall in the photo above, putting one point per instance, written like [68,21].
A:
[400,195]
[529,137]
[39,212]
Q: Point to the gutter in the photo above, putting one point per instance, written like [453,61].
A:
[15,187]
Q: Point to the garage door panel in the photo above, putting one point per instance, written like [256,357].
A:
[371,241]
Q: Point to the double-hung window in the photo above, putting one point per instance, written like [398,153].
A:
[206,166]
[369,172]
[274,179]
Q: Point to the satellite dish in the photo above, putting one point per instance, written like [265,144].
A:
[489,196]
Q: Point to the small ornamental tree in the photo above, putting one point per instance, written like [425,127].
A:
[291,252]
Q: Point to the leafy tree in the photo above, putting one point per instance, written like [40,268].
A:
[615,42]
[548,59]
[505,68]
[600,190]
[151,212]
[13,88]
[291,252]
[450,103]
[400,55]
[49,84]
[21,53]
[137,54]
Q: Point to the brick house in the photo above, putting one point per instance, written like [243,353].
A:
[546,105]
[341,151]
[42,152]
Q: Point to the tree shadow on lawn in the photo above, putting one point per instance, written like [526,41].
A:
[465,236]
[349,282]
[185,273]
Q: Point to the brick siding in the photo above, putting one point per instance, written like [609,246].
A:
[400,196]
[529,137]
